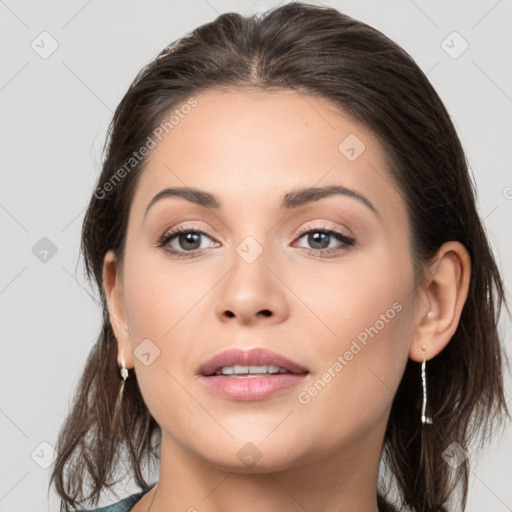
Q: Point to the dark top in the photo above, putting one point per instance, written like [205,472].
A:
[128,503]
[124,505]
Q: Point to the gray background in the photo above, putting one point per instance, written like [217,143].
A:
[55,111]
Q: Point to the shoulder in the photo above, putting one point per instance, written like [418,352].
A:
[125,505]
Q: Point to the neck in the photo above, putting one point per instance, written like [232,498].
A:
[343,480]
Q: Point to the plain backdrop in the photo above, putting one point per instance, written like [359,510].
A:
[65,65]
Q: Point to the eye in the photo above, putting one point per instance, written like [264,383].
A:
[187,238]
[186,241]
[320,239]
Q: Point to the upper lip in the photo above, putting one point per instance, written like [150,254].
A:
[253,357]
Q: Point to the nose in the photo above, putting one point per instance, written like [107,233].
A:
[252,293]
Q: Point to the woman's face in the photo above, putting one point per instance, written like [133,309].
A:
[342,307]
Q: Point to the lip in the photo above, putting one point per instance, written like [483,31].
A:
[250,388]
[253,357]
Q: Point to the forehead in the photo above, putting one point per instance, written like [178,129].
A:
[257,143]
[260,125]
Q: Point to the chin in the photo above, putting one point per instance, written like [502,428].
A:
[244,454]
[256,464]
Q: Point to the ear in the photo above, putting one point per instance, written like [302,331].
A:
[442,298]
[113,287]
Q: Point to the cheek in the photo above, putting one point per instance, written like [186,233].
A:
[158,299]
[363,294]
[162,309]
[368,309]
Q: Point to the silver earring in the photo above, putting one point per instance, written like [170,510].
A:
[117,407]
[124,371]
[424,419]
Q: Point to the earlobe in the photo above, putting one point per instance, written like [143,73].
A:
[113,289]
[444,292]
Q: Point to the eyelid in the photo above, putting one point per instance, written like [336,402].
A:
[327,228]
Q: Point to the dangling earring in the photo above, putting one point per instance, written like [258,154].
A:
[424,419]
[124,376]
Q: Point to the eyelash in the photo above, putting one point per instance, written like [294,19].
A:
[345,240]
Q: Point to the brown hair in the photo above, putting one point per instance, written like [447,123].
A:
[318,51]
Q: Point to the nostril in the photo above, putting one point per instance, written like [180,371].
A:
[264,312]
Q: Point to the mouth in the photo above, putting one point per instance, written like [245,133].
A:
[250,375]
[239,371]
[236,363]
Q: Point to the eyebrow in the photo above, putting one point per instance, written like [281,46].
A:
[293,199]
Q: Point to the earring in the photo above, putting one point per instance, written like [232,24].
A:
[124,371]
[424,419]
[124,376]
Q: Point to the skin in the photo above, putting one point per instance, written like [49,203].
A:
[250,148]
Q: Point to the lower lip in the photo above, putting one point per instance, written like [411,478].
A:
[251,388]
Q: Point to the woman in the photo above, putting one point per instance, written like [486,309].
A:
[283,235]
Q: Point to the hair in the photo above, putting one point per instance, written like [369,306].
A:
[316,51]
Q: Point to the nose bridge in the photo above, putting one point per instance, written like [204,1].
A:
[248,279]
[252,240]
[250,290]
